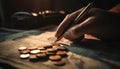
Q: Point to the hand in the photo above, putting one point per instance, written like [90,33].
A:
[100,23]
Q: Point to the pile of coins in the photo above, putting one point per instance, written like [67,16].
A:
[54,52]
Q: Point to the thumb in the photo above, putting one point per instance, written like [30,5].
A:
[80,29]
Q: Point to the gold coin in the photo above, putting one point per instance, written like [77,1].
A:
[59,63]
[61,53]
[25,51]
[51,50]
[41,55]
[55,57]
[32,48]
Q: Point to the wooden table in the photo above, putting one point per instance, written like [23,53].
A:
[89,54]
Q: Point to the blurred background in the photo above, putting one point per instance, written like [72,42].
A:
[29,14]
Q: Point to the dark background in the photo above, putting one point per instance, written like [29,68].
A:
[11,6]
[8,7]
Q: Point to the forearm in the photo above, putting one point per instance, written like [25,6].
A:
[115,9]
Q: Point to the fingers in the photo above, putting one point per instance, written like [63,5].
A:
[83,26]
[69,19]
[100,23]
[65,23]
[62,26]
[80,29]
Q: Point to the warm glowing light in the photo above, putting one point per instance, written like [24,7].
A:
[34,14]
[48,11]
[43,12]
[62,12]
[40,12]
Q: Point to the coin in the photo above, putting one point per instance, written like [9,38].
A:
[25,51]
[41,55]
[62,53]
[32,47]
[33,58]
[34,51]
[51,50]
[43,51]
[24,56]
[59,63]
[50,53]
[55,57]
[22,48]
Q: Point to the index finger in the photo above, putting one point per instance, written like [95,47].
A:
[62,26]
[65,23]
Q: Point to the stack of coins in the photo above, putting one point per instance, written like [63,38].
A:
[54,52]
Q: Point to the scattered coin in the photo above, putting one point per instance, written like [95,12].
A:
[55,57]
[32,47]
[59,63]
[50,53]
[24,56]
[34,51]
[22,48]
[43,51]
[62,53]
[33,57]
[41,55]
[25,51]
[54,52]
[51,50]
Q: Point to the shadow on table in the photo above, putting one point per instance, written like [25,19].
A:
[106,52]
[6,66]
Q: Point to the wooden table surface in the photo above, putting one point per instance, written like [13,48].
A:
[80,56]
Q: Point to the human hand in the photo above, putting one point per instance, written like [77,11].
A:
[100,23]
